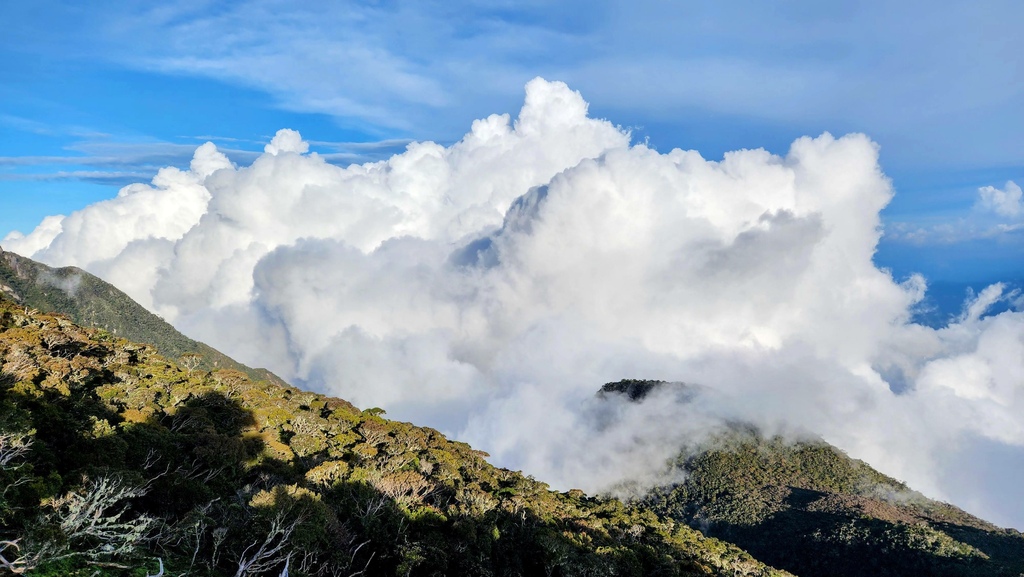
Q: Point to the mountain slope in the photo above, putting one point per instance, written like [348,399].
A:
[111,456]
[89,301]
[804,506]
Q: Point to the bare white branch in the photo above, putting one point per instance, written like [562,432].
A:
[159,573]
[16,566]
[260,557]
[13,446]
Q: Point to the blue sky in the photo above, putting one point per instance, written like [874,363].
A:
[100,96]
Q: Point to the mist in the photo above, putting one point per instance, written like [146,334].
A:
[490,288]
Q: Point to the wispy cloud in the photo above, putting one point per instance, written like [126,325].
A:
[326,59]
[390,143]
[215,138]
[26,124]
[34,126]
[114,178]
[118,163]
[392,67]
[931,86]
[98,153]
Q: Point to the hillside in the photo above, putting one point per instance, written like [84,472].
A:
[112,456]
[92,302]
[804,506]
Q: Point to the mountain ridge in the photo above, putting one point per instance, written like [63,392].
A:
[112,456]
[91,301]
[806,507]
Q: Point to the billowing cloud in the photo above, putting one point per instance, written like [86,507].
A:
[490,287]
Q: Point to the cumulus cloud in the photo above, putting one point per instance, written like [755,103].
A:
[1005,202]
[489,288]
[39,238]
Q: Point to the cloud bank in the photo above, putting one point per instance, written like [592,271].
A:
[489,288]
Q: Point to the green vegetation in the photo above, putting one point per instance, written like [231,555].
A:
[91,302]
[112,456]
[805,506]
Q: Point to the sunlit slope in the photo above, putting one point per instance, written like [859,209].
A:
[114,456]
[92,302]
[805,506]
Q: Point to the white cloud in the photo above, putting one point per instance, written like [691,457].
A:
[1006,202]
[38,239]
[490,287]
[286,141]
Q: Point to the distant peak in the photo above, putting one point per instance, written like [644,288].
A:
[637,389]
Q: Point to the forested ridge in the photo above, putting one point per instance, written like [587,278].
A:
[92,302]
[803,505]
[112,457]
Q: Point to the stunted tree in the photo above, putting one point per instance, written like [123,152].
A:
[14,447]
[93,522]
[190,362]
[98,515]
